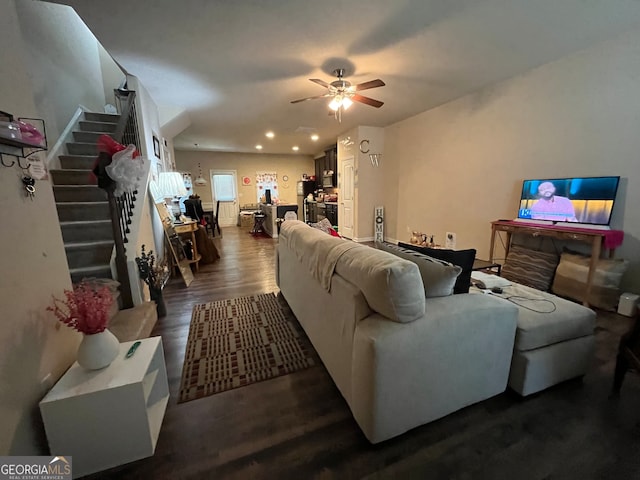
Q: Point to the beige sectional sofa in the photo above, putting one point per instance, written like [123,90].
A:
[399,359]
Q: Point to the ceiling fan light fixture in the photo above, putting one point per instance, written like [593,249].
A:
[342,93]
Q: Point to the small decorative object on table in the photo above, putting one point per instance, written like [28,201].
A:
[155,276]
[86,309]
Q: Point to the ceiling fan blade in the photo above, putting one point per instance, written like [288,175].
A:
[310,98]
[367,100]
[320,82]
[370,84]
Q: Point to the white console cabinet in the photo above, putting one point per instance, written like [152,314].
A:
[104,418]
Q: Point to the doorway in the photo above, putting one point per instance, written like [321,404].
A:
[346,182]
[224,189]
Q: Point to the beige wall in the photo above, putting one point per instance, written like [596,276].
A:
[460,166]
[34,267]
[372,184]
[112,75]
[246,164]
[64,64]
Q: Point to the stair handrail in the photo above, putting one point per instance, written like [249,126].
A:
[121,207]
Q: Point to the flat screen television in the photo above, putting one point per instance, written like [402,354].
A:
[584,200]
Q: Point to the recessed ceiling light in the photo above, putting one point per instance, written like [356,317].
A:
[295,148]
[269,134]
[259,147]
[315,137]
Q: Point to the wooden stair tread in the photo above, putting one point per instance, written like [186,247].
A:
[95,243]
[85,222]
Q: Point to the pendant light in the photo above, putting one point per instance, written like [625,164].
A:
[200,181]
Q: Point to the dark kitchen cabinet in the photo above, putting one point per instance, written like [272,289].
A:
[319,169]
[332,213]
[331,162]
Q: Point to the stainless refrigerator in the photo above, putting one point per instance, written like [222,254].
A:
[304,188]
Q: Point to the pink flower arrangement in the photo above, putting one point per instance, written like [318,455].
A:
[85,308]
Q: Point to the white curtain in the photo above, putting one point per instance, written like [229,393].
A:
[267,181]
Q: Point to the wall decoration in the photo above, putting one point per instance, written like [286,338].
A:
[156,146]
[246,181]
[188,182]
[37,168]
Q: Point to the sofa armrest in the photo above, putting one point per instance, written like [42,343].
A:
[405,375]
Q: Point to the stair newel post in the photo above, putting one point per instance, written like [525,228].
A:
[121,256]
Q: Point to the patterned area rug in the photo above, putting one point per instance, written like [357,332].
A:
[237,342]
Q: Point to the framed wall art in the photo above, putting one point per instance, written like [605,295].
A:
[156,146]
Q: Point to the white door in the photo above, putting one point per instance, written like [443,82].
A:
[346,181]
[224,189]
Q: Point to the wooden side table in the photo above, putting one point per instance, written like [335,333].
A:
[108,417]
[190,228]
[599,240]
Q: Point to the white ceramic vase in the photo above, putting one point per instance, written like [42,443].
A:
[98,350]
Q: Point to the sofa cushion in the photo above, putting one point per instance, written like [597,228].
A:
[530,267]
[544,319]
[392,286]
[463,258]
[438,276]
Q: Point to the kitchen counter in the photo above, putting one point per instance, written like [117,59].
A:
[273,213]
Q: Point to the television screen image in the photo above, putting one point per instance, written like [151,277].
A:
[587,200]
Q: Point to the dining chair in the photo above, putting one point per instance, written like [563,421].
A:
[214,223]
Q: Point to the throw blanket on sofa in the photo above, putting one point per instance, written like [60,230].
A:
[323,264]
[319,254]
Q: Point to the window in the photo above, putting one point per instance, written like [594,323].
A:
[224,187]
[267,181]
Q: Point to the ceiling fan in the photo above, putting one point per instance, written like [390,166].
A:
[343,94]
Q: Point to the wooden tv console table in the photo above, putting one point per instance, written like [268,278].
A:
[598,239]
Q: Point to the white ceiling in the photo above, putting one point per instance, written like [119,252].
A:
[235,65]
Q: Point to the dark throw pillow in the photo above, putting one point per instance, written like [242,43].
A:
[530,267]
[462,258]
[438,276]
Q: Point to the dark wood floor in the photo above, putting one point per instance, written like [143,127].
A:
[298,426]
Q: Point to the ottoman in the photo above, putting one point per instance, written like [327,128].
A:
[554,339]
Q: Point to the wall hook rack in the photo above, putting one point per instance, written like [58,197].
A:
[21,149]
[26,160]
[13,162]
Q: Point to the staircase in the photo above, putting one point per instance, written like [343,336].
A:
[86,224]
[82,206]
